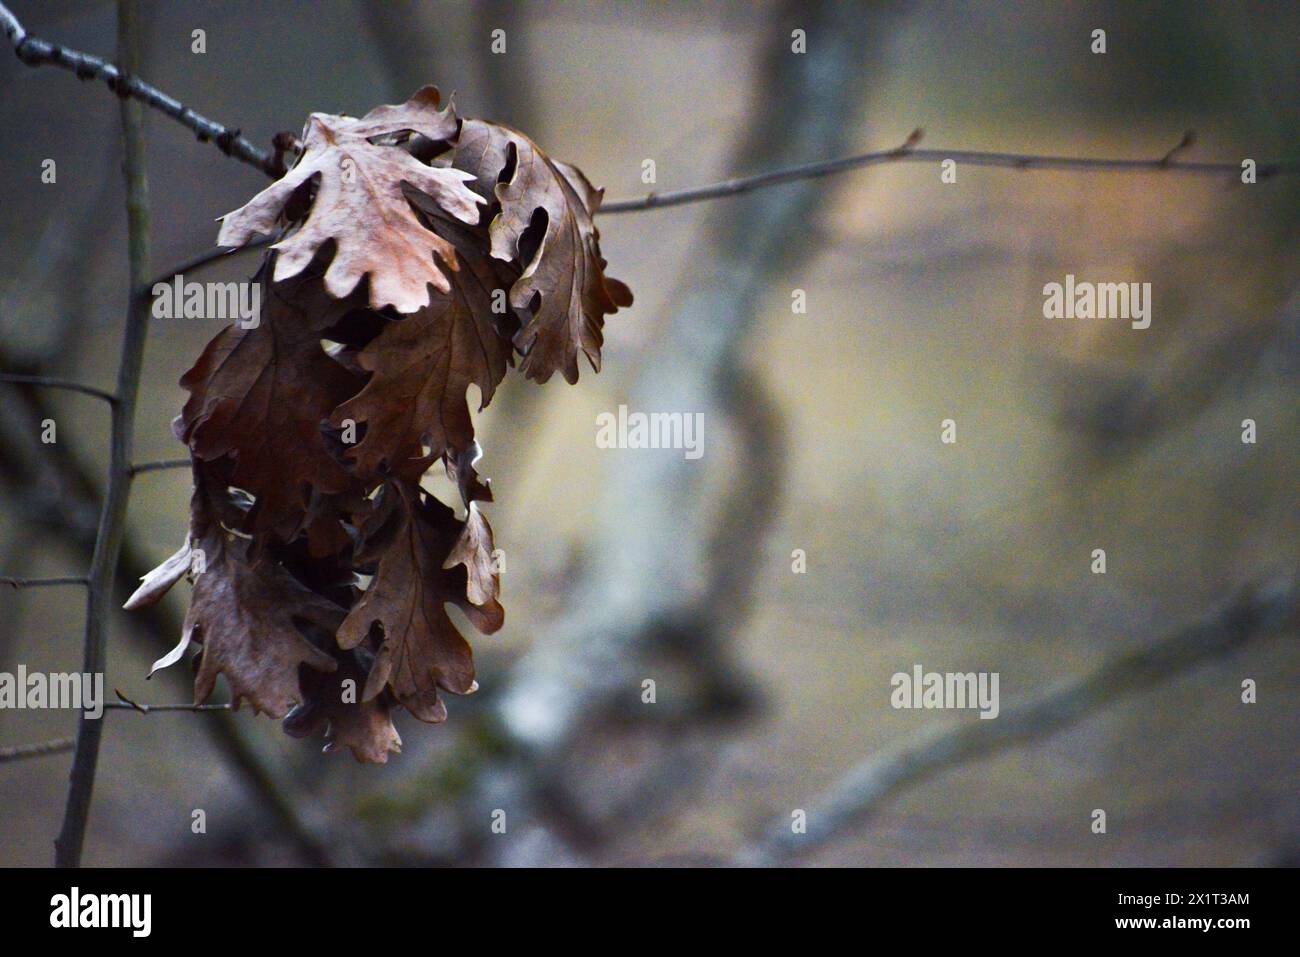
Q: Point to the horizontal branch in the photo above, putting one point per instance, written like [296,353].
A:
[151,708]
[908,154]
[160,465]
[36,52]
[49,382]
[18,752]
[1255,613]
[42,582]
[204,259]
[126,704]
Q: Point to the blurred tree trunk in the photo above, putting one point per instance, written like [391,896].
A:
[663,566]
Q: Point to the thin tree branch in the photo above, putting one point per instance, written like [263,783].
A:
[126,704]
[160,465]
[68,521]
[151,708]
[19,752]
[49,382]
[1255,613]
[42,582]
[123,82]
[211,256]
[113,511]
[907,154]
[36,52]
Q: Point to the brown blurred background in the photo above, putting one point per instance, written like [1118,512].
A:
[821,434]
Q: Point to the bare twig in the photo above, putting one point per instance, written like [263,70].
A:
[906,154]
[204,259]
[112,518]
[151,708]
[160,465]
[42,582]
[71,523]
[49,382]
[126,704]
[18,752]
[35,52]
[1255,613]
[123,81]
[1185,143]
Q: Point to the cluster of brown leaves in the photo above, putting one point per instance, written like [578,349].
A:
[418,253]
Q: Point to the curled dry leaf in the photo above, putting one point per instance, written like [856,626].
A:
[160,580]
[419,253]
[545,225]
[332,706]
[473,549]
[260,396]
[421,367]
[420,649]
[360,204]
[248,616]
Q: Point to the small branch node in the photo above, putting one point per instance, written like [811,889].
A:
[143,709]
[284,144]
[910,143]
[1188,139]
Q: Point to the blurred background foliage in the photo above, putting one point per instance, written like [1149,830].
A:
[821,433]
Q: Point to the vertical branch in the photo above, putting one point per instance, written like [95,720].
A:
[112,517]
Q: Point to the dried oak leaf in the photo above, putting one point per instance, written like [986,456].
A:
[249,615]
[365,727]
[261,395]
[157,582]
[474,548]
[421,651]
[494,276]
[205,507]
[462,473]
[563,282]
[360,204]
[421,366]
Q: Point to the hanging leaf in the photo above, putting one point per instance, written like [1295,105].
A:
[332,706]
[359,204]
[418,253]
[421,367]
[544,226]
[260,395]
[420,651]
[248,616]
